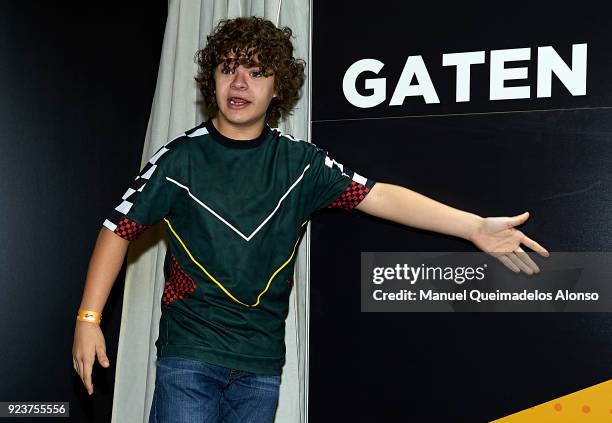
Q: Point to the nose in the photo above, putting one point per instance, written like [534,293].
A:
[239,81]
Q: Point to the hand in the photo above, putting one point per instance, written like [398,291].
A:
[88,342]
[498,237]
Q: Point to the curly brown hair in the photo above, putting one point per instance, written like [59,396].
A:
[252,41]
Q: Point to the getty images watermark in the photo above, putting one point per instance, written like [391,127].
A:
[445,282]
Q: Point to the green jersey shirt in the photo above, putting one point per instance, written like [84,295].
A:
[234,212]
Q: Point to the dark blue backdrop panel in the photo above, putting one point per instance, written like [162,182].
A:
[550,156]
[77,83]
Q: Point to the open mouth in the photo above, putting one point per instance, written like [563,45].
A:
[238,101]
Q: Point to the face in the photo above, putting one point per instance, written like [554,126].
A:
[243,95]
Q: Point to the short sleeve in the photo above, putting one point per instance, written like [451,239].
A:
[147,200]
[334,185]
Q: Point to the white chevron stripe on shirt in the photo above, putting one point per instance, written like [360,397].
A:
[261,225]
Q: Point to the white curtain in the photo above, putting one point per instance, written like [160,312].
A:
[176,108]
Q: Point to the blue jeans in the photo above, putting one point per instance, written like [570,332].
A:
[191,391]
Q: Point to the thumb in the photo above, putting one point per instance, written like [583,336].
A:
[517,220]
[102,358]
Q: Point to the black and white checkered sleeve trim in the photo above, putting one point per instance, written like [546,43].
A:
[140,205]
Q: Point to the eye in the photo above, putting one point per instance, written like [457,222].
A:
[256,74]
[226,70]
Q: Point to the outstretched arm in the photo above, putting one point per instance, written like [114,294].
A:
[493,235]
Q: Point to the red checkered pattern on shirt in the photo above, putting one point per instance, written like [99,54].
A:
[130,230]
[178,286]
[352,195]
[290,282]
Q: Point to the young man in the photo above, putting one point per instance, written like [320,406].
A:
[236,195]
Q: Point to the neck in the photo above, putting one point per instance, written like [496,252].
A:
[247,131]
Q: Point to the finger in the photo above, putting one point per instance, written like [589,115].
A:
[519,263]
[81,374]
[524,257]
[535,246]
[506,261]
[517,220]
[102,357]
[87,376]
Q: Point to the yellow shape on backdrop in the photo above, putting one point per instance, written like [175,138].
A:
[592,404]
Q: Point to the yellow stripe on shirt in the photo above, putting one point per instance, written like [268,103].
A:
[219,284]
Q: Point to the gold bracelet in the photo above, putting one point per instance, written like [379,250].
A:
[89,316]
